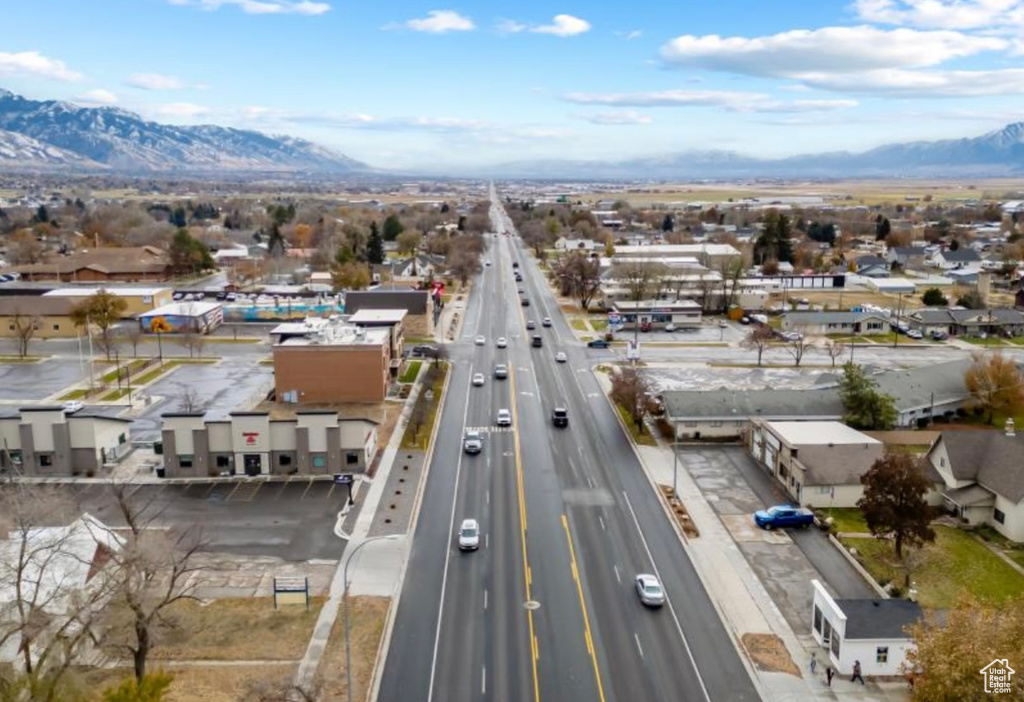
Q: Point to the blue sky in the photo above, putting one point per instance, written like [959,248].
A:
[410,83]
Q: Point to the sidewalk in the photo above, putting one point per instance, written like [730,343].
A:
[745,605]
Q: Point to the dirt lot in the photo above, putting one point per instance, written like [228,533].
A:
[367,619]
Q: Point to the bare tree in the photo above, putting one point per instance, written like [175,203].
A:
[463,263]
[640,277]
[189,400]
[24,247]
[632,390]
[133,333]
[156,569]
[759,338]
[582,276]
[283,689]
[192,341]
[25,327]
[834,349]
[51,616]
[798,348]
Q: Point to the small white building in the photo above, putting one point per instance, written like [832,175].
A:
[46,441]
[587,245]
[873,632]
[184,317]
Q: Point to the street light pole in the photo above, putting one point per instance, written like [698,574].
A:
[675,461]
[348,644]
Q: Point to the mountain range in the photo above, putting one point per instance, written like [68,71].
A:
[57,135]
[52,134]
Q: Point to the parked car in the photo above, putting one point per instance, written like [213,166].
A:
[722,323]
[504,418]
[598,344]
[424,351]
[670,327]
[500,371]
[649,589]
[469,535]
[914,334]
[72,406]
[473,442]
[744,320]
[546,322]
[783,516]
[478,379]
[560,417]
[939,335]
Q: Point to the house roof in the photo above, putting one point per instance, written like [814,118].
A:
[805,434]
[879,619]
[138,259]
[988,457]
[35,305]
[961,255]
[871,260]
[971,496]
[938,383]
[413,301]
[728,404]
[801,318]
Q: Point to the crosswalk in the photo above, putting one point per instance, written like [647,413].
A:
[490,430]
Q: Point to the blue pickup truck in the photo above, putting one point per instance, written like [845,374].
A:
[782,516]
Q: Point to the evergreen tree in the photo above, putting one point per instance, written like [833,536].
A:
[882,228]
[275,244]
[445,208]
[177,217]
[42,215]
[392,227]
[375,245]
[866,407]
[668,224]
[462,223]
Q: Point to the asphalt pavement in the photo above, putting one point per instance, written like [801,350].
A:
[546,609]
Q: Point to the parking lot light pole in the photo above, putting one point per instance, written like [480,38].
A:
[348,642]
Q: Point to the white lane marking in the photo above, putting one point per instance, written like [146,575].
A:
[487,540]
[617,576]
[590,482]
[638,646]
[483,681]
[600,519]
[485,598]
[488,493]
[679,627]
[447,559]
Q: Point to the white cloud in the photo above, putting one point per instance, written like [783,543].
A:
[154,81]
[615,118]
[943,14]
[97,97]
[441,21]
[35,64]
[844,50]
[510,26]
[919,84]
[183,110]
[563,26]
[260,7]
[732,101]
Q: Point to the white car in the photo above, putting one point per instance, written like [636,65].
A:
[478,379]
[649,590]
[504,418]
[72,406]
[487,263]
[560,357]
[469,535]
[480,341]
[502,342]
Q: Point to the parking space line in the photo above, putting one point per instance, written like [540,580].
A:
[233,491]
[333,485]
[308,486]
[212,486]
[284,486]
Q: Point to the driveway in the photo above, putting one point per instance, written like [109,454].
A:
[218,388]
[785,562]
[293,520]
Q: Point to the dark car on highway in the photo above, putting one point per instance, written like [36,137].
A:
[560,417]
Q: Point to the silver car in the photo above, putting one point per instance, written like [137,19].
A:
[504,418]
[478,379]
[469,535]
[649,590]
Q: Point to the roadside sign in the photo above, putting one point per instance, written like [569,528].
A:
[343,479]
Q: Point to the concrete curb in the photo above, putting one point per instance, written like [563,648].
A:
[762,691]
[858,567]
[389,622]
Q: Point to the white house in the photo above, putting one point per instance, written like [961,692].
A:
[983,476]
[873,632]
[62,567]
[587,245]
[818,463]
[964,257]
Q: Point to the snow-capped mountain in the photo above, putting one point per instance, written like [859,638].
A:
[52,132]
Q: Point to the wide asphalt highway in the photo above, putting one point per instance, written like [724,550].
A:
[546,609]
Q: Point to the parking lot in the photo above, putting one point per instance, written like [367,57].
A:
[291,520]
[33,382]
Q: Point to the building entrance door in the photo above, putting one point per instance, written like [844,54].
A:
[253,464]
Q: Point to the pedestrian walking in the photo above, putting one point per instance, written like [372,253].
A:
[828,675]
[856,673]
[814,661]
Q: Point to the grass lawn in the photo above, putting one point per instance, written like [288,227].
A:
[418,437]
[74,395]
[367,623]
[132,368]
[116,395]
[846,520]
[20,359]
[599,323]
[578,324]
[955,562]
[644,439]
[411,371]
[988,341]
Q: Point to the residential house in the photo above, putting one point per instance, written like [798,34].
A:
[314,442]
[65,574]
[821,323]
[875,632]
[819,464]
[872,266]
[964,257]
[983,477]
[928,391]
[586,245]
[905,256]
[102,265]
[1000,321]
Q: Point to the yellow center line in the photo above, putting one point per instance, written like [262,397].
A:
[588,637]
[527,576]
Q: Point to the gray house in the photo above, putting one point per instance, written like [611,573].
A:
[820,323]
[716,414]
